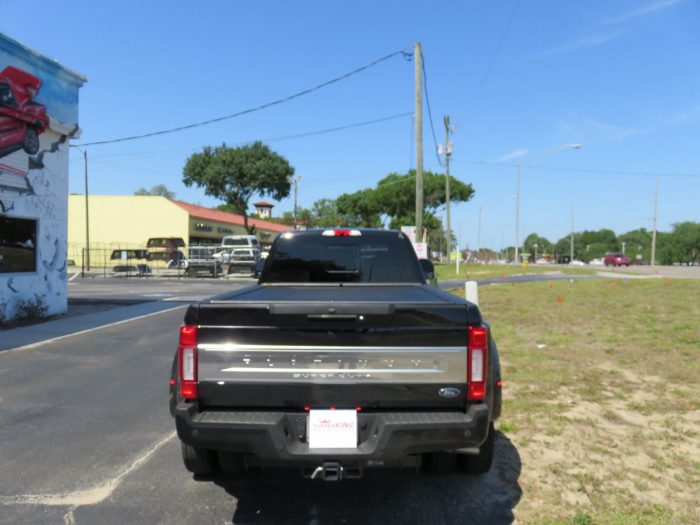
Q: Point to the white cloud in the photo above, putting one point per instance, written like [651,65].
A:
[515,154]
[642,11]
[580,43]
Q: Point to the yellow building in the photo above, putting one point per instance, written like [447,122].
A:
[128,221]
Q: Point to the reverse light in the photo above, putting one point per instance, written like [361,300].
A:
[187,361]
[477,352]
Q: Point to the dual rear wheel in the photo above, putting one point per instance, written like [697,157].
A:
[205,462]
[471,464]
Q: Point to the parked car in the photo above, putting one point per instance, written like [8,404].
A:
[616,259]
[341,358]
[250,241]
[165,243]
[21,119]
[170,258]
[242,260]
[129,254]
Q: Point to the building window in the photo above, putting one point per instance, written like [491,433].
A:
[17,245]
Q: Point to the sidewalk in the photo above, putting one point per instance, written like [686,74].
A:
[58,328]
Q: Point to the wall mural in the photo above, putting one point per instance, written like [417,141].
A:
[38,116]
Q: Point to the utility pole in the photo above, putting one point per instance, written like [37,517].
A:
[478,234]
[517,213]
[87,214]
[418,59]
[572,235]
[653,235]
[448,152]
[296,180]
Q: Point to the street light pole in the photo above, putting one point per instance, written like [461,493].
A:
[517,214]
[517,188]
[653,235]
[571,257]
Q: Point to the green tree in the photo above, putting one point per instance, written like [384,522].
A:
[637,242]
[395,194]
[685,240]
[158,189]
[234,175]
[359,209]
[543,245]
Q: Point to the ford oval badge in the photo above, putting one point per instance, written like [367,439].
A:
[449,392]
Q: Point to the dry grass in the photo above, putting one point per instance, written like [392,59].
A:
[602,398]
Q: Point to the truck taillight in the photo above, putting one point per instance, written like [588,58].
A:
[187,361]
[477,354]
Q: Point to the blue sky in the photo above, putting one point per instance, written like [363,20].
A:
[620,77]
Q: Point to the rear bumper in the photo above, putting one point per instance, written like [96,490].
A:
[281,436]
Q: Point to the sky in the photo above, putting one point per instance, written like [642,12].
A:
[519,80]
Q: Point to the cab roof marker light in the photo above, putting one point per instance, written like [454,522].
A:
[342,233]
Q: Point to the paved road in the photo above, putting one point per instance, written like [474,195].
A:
[528,278]
[86,437]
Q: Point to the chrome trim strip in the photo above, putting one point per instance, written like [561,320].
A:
[363,371]
[232,347]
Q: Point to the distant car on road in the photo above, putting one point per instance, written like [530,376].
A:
[616,259]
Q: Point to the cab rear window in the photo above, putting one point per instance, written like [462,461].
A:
[317,259]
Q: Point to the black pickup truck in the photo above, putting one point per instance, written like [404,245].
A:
[340,358]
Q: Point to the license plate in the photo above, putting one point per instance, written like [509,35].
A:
[332,429]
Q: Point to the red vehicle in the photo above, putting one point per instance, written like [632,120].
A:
[21,119]
[616,259]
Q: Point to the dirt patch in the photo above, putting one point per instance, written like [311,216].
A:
[601,398]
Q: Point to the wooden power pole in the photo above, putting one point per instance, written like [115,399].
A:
[448,152]
[418,59]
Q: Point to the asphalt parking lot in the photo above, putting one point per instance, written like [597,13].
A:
[87,437]
[151,288]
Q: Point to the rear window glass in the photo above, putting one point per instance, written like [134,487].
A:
[317,259]
[236,242]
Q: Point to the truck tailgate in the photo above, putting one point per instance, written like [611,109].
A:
[291,347]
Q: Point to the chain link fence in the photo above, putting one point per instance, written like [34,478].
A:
[137,260]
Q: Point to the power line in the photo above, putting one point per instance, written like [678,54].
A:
[271,139]
[597,171]
[494,57]
[256,108]
[430,113]
[338,128]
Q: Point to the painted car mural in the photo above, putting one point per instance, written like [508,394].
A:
[21,119]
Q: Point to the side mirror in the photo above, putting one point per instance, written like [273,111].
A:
[428,268]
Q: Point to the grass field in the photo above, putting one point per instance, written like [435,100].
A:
[601,398]
[489,271]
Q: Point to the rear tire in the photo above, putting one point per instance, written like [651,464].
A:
[198,460]
[31,141]
[478,463]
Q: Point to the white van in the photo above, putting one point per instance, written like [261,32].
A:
[236,241]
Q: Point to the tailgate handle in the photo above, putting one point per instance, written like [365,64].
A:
[325,308]
[332,317]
